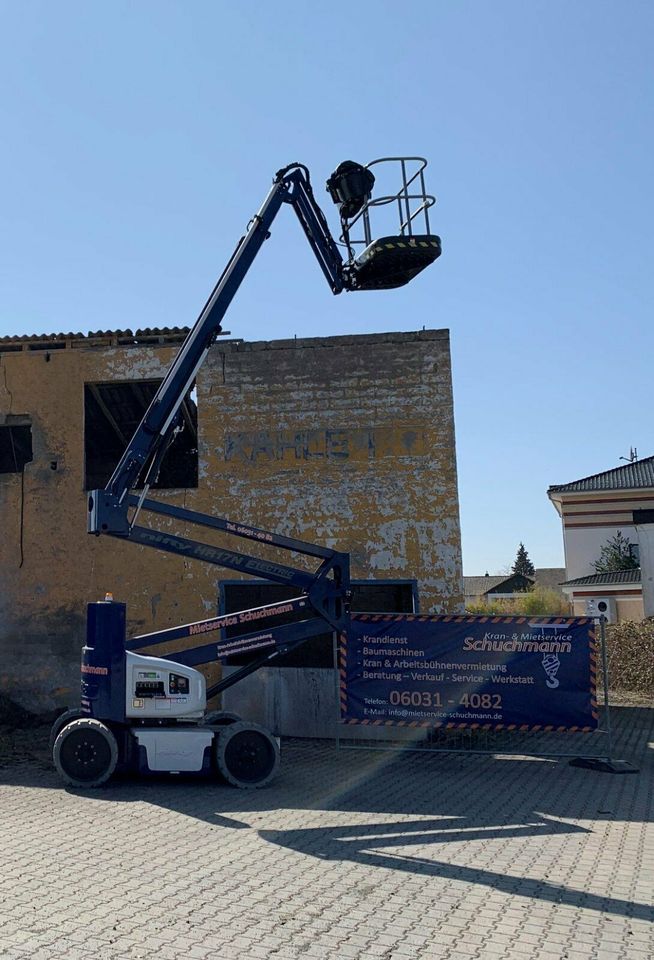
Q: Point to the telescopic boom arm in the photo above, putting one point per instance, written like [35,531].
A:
[108,509]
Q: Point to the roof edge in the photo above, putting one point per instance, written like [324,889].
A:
[571,486]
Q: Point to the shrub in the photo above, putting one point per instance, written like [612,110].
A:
[629,645]
[630,655]
[539,602]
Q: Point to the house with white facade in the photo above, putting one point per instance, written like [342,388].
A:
[593,510]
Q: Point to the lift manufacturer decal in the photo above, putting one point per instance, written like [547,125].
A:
[98,671]
[514,673]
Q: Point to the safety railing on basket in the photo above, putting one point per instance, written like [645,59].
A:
[411,204]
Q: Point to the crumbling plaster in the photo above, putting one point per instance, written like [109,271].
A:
[346,441]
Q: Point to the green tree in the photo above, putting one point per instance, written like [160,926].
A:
[522,563]
[615,555]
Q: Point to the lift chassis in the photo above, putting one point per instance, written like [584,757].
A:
[146,712]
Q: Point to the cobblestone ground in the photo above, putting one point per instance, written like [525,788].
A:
[348,854]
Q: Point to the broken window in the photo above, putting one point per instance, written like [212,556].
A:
[113,411]
[15,447]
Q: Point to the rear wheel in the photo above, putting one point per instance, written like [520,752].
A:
[85,753]
[246,754]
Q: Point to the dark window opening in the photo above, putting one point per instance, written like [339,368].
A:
[634,549]
[367,597]
[15,447]
[113,411]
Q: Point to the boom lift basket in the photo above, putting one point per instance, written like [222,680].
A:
[392,259]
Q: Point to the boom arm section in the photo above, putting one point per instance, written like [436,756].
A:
[324,605]
[108,508]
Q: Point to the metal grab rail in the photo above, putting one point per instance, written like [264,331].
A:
[403,198]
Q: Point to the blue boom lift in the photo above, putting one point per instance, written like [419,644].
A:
[148,713]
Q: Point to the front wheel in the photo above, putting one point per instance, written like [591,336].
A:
[246,754]
[63,720]
[85,753]
[219,718]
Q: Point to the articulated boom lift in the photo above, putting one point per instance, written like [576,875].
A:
[146,712]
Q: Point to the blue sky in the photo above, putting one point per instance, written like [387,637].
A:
[139,138]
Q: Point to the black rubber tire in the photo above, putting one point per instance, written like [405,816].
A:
[220,718]
[85,753]
[74,713]
[246,754]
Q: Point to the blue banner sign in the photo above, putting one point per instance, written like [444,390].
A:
[513,673]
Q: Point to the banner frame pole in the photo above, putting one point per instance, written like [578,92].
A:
[605,681]
[337,684]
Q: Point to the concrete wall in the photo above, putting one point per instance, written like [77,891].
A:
[645,534]
[346,441]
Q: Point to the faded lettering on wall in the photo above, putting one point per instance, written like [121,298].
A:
[362,443]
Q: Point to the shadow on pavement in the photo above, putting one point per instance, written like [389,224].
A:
[356,843]
[448,798]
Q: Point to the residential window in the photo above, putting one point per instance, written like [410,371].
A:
[634,553]
[113,411]
[15,447]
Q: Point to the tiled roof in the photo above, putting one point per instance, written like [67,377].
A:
[476,586]
[606,579]
[549,578]
[631,476]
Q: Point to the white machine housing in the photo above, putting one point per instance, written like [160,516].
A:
[174,750]
[162,689]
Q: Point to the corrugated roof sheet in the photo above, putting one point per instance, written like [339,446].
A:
[142,335]
[606,579]
[631,476]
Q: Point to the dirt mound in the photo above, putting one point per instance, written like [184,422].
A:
[14,716]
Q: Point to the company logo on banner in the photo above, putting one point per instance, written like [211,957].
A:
[511,673]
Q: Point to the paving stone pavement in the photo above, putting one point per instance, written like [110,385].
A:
[349,854]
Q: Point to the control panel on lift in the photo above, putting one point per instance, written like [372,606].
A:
[159,688]
[150,684]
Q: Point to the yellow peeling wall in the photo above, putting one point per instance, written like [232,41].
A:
[345,441]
